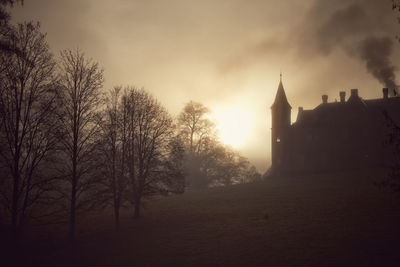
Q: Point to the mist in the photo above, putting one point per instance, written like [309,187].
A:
[164,133]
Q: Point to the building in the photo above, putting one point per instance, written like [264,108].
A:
[349,134]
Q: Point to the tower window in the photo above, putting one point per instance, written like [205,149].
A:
[278,140]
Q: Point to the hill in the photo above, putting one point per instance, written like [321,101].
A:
[316,220]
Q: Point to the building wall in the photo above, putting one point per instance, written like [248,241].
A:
[352,141]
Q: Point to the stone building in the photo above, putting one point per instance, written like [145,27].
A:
[348,134]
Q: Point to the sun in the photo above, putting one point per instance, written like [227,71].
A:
[234,125]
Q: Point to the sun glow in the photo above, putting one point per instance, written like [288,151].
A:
[234,125]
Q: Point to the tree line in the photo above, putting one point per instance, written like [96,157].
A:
[67,146]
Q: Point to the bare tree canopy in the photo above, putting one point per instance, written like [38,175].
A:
[207,161]
[194,125]
[80,82]
[149,132]
[4,15]
[27,98]
[4,24]
[113,134]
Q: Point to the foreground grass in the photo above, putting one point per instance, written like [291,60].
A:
[320,220]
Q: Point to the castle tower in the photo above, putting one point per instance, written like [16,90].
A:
[280,112]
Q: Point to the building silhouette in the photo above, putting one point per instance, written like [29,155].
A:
[334,136]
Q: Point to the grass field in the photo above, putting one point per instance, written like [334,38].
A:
[317,220]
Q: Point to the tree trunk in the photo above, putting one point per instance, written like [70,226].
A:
[15,197]
[23,218]
[16,174]
[115,197]
[115,187]
[74,182]
[116,203]
[116,215]
[191,142]
[72,213]
[136,213]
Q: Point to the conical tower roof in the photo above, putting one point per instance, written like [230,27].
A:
[280,98]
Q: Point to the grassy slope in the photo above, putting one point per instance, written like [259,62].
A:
[299,221]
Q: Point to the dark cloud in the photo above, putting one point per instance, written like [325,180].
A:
[363,29]
[342,27]
[358,27]
[376,52]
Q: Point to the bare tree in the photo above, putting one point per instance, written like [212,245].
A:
[80,82]
[27,104]
[4,15]
[194,125]
[148,134]
[113,147]
[5,27]
[207,161]
[196,131]
[173,166]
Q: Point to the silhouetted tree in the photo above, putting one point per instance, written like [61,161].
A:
[27,122]
[149,131]
[252,175]
[113,148]
[196,131]
[207,161]
[80,82]
[5,27]
[230,167]
[194,126]
[224,166]
[4,14]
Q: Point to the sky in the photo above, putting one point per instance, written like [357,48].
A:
[228,54]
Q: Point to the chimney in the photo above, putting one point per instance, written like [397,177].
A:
[324,99]
[354,93]
[342,96]
[385,93]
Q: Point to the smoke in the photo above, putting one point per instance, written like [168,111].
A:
[358,27]
[363,29]
[341,27]
[376,53]
[250,54]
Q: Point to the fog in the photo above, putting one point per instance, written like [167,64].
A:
[228,54]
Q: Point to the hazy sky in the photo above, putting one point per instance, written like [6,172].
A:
[227,54]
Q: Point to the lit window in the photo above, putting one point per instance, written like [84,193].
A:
[278,140]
